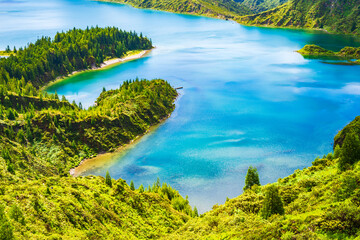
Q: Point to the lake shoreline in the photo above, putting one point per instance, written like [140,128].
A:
[234,19]
[93,161]
[130,56]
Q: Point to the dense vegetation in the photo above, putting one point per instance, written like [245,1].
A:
[347,53]
[213,8]
[342,16]
[49,136]
[86,208]
[226,9]
[258,6]
[40,62]
[42,137]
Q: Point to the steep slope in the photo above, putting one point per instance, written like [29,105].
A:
[341,16]
[53,140]
[212,8]
[42,137]
[84,208]
[258,6]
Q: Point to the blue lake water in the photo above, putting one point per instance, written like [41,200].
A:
[248,98]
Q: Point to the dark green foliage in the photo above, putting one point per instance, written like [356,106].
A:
[252,178]
[342,16]
[272,203]
[350,151]
[141,189]
[108,179]
[41,62]
[132,186]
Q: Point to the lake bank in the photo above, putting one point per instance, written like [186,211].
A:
[129,56]
[104,159]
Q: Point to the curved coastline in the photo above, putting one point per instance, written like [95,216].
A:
[106,157]
[129,56]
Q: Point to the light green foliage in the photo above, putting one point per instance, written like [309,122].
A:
[272,202]
[341,16]
[84,208]
[177,201]
[252,178]
[108,180]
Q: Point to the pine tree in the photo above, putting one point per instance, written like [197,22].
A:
[108,179]
[252,178]
[350,151]
[141,189]
[132,187]
[272,203]
[196,213]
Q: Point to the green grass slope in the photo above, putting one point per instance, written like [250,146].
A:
[340,16]
[212,8]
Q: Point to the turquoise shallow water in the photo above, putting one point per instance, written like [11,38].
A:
[248,98]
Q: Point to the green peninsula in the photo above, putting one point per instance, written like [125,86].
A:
[43,136]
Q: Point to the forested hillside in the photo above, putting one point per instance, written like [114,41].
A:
[340,16]
[41,62]
[42,136]
[212,8]
[258,6]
